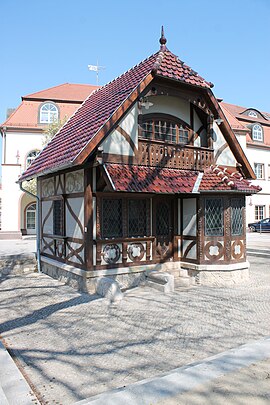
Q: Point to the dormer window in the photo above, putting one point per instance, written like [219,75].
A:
[257,133]
[252,113]
[165,129]
[48,113]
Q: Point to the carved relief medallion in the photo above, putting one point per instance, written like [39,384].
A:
[111,253]
[136,251]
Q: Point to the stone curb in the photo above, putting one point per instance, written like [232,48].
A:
[153,390]
[14,390]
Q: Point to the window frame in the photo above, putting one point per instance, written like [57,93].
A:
[50,115]
[209,233]
[241,206]
[252,114]
[179,125]
[255,131]
[259,209]
[61,232]
[262,171]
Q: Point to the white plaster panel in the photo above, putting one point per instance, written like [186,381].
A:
[116,143]
[48,225]
[75,182]
[226,158]
[169,105]
[192,254]
[47,187]
[72,226]
[59,182]
[196,120]
[189,216]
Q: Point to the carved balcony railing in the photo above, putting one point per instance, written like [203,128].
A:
[174,156]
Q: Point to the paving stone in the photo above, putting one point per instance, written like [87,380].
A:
[72,346]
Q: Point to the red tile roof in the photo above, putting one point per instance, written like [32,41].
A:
[66,91]
[147,179]
[239,121]
[26,115]
[76,135]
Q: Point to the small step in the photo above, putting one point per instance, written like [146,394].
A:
[182,282]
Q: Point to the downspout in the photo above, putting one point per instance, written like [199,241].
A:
[38,228]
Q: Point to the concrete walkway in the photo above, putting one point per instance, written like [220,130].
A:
[73,346]
[193,384]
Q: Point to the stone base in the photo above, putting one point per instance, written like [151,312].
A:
[10,235]
[217,276]
[185,275]
[89,281]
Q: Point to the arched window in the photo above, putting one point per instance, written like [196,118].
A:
[252,114]
[161,127]
[48,113]
[31,218]
[31,156]
[257,133]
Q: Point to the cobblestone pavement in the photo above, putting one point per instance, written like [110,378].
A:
[71,346]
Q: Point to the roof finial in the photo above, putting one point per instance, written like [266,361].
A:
[162,40]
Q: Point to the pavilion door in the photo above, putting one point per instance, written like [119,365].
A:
[163,227]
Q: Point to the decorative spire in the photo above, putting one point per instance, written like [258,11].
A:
[162,40]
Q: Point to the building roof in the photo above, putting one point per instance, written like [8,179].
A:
[66,91]
[26,115]
[83,132]
[147,179]
[106,103]
[242,122]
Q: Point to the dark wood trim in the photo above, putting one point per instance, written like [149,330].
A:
[88,218]
[127,138]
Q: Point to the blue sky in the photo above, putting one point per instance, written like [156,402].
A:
[44,44]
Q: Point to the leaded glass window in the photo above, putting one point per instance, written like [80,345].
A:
[214,222]
[237,206]
[112,226]
[58,217]
[137,217]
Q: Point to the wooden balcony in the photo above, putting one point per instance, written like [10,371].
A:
[154,153]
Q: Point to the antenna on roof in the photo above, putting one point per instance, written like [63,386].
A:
[96,68]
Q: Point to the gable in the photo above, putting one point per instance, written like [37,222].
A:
[104,109]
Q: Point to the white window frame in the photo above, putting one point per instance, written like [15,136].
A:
[259,212]
[48,113]
[259,170]
[257,132]
[252,114]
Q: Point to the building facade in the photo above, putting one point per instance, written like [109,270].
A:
[146,176]
[22,140]
[252,129]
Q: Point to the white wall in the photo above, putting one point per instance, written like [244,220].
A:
[226,158]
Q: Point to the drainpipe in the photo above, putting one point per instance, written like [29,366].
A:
[38,228]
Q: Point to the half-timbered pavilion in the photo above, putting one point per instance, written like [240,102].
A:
[146,175]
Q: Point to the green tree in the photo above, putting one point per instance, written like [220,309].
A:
[52,129]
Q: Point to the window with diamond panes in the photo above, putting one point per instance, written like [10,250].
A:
[237,206]
[214,223]
[58,217]
[137,218]
[163,219]
[112,218]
